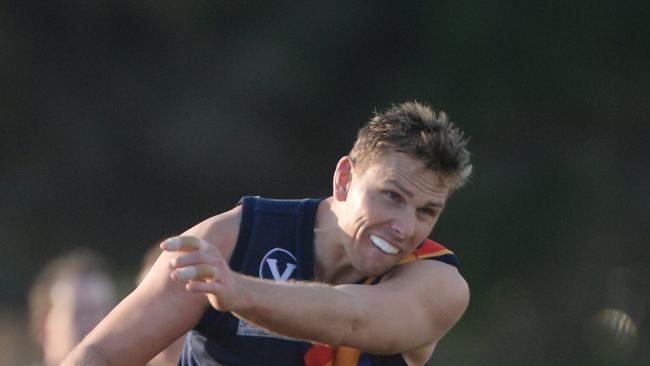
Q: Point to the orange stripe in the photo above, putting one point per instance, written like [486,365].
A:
[428,246]
[414,256]
[435,254]
[322,355]
[346,356]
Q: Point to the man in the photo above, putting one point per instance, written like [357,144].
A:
[314,282]
[69,297]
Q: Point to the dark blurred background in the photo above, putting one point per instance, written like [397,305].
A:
[124,122]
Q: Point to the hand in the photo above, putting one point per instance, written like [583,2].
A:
[205,270]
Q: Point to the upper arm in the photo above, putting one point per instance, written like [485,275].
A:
[159,310]
[411,309]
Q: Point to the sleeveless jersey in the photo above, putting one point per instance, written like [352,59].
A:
[276,242]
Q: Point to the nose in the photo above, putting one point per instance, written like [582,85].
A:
[404,225]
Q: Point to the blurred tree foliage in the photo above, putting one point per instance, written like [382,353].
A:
[123,122]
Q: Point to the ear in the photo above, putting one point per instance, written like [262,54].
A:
[342,178]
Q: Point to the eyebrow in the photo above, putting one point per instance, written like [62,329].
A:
[410,194]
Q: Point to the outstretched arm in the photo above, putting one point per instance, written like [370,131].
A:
[411,309]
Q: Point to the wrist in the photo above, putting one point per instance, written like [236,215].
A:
[244,300]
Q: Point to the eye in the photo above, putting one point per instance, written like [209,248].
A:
[425,211]
[393,196]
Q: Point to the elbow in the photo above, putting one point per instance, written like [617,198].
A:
[350,325]
[360,331]
[346,335]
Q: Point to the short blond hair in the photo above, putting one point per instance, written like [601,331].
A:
[415,129]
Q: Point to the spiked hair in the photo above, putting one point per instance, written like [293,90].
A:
[415,129]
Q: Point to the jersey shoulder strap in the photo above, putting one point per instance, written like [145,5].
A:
[430,249]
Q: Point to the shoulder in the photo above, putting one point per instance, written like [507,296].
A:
[443,278]
[436,286]
[432,266]
[220,230]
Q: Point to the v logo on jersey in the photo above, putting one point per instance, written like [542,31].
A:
[273,265]
[276,259]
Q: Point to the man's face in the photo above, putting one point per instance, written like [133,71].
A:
[392,207]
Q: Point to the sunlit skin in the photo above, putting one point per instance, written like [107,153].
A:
[396,199]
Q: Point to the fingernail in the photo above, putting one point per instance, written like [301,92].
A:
[186,273]
[172,244]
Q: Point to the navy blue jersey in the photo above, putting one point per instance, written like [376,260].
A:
[275,242]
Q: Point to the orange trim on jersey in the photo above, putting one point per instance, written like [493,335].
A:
[427,249]
[322,355]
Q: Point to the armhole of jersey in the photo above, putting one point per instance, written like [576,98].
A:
[241,247]
[307,221]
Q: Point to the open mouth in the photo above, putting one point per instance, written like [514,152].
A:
[383,245]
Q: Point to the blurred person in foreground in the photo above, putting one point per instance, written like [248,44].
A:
[350,279]
[68,298]
[169,355]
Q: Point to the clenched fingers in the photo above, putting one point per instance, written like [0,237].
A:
[198,272]
[198,259]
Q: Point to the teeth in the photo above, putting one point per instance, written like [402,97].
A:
[383,245]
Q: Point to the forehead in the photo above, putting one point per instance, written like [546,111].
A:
[407,172]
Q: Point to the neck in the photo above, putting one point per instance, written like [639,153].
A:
[331,264]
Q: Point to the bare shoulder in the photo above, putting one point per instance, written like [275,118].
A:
[220,230]
[434,283]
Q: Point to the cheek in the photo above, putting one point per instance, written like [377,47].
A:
[423,231]
[376,205]
[367,210]
[361,205]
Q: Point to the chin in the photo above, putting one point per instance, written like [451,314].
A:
[375,270]
[374,263]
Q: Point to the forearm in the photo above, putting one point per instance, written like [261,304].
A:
[86,355]
[121,339]
[394,316]
[301,310]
